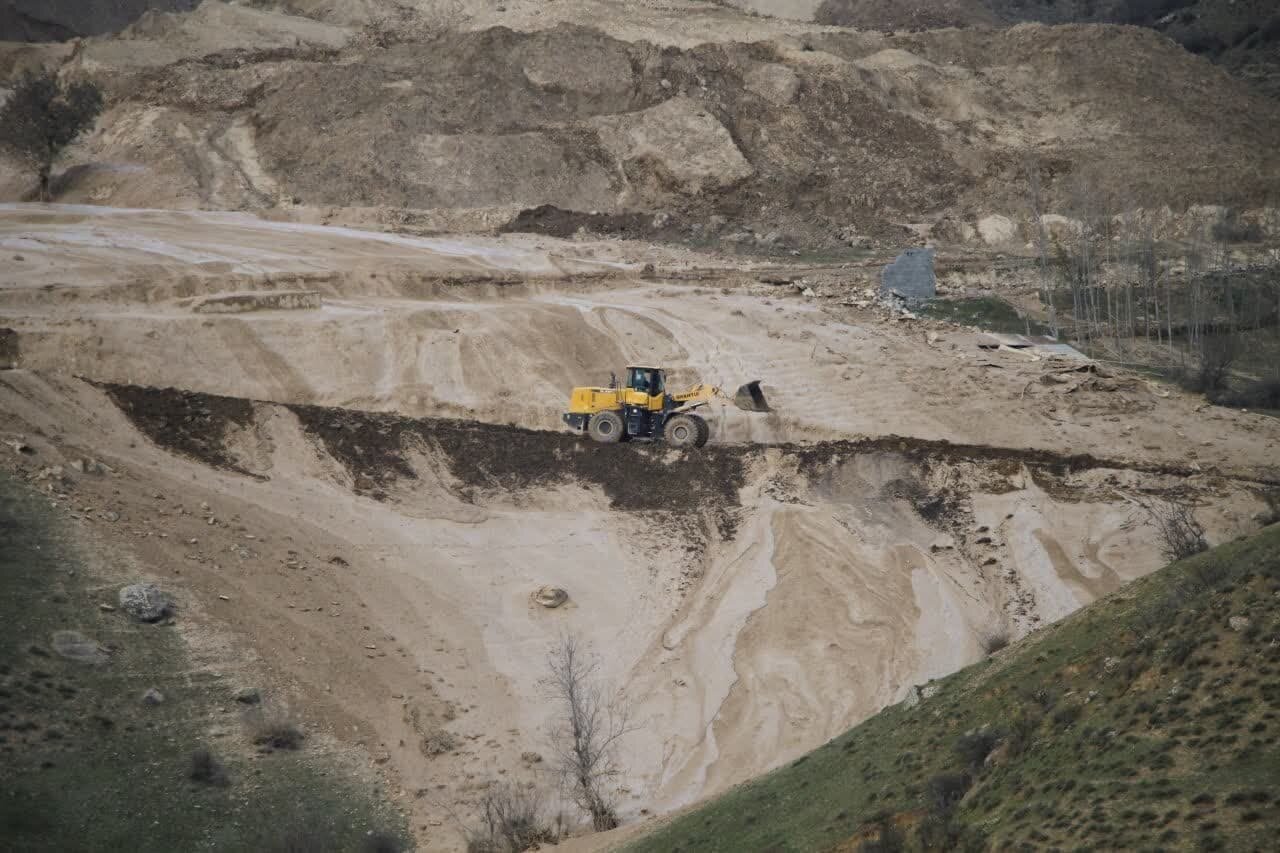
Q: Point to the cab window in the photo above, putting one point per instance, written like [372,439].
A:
[648,381]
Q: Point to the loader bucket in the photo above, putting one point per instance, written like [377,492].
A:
[750,398]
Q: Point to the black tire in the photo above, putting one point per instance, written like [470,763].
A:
[704,430]
[605,427]
[681,431]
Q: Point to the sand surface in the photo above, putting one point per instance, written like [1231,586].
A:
[797,575]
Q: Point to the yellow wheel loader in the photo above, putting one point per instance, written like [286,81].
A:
[642,408]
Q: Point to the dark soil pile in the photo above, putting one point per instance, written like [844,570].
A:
[185,422]
[488,458]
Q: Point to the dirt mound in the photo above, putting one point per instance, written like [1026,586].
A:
[487,459]
[192,424]
[779,144]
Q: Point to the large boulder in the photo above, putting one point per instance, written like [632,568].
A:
[550,596]
[146,602]
[680,140]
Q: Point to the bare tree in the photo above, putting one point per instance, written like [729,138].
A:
[1181,535]
[42,116]
[590,723]
[1042,242]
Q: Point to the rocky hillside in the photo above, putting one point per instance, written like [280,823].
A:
[1144,721]
[771,134]
[57,20]
[1241,35]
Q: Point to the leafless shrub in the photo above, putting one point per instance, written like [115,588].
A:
[945,790]
[993,640]
[1230,228]
[274,728]
[888,839]
[1217,355]
[1181,535]
[438,742]
[590,723]
[1261,393]
[206,769]
[973,748]
[514,818]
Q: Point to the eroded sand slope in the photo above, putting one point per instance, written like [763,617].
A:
[752,599]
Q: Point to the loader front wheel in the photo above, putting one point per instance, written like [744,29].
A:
[682,431]
[605,427]
[704,430]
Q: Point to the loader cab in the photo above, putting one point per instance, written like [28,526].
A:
[649,380]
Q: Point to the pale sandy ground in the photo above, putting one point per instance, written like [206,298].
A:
[830,601]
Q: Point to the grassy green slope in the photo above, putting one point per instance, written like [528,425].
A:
[1145,721]
[86,766]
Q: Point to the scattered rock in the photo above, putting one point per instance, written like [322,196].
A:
[20,447]
[152,697]
[1109,665]
[73,645]
[146,602]
[530,757]
[106,608]
[249,696]
[550,596]
[1239,623]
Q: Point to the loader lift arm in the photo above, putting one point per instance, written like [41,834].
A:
[749,397]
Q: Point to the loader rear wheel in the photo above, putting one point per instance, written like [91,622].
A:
[682,431]
[704,430]
[605,427]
